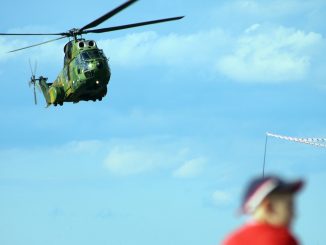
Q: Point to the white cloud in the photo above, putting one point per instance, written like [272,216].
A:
[133,160]
[70,150]
[222,197]
[252,28]
[85,146]
[132,157]
[269,9]
[146,48]
[271,55]
[49,53]
[63,161]
[6,46]
[190,168]
[261,53]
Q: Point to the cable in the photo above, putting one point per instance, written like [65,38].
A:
[265,155]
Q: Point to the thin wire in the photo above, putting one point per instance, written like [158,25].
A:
[265,155]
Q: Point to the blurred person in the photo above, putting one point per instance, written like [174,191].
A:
[270,201]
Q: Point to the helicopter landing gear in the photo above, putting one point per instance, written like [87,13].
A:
[60,103]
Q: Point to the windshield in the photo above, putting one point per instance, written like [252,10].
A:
[92,54]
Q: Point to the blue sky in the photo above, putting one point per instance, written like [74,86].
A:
[164,157]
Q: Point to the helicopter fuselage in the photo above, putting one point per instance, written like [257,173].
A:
[85,75]
[86,72]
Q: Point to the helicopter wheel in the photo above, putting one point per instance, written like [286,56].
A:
[60,103]
[55,104]
[100,99]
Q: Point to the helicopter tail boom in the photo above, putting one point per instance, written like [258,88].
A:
[45,89]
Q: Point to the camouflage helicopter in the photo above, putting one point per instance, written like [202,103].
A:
[86,72]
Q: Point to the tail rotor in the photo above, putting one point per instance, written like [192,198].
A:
[33,81]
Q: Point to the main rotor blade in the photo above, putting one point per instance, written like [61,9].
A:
[107,15]
[33,34]
[38,44]
[115,28]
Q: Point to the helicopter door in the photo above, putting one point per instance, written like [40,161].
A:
[68,52]
[67,59]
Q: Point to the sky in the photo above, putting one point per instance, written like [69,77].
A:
[164,158]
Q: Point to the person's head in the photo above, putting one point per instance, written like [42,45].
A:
[271,199]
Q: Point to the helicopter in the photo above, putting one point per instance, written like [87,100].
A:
[86,71]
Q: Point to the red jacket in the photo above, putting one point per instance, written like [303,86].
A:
[261,234]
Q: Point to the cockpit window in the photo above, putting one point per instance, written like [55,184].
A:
[92,54]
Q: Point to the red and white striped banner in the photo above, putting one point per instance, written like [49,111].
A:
[320,142]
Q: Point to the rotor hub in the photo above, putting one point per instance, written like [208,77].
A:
[74,32]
